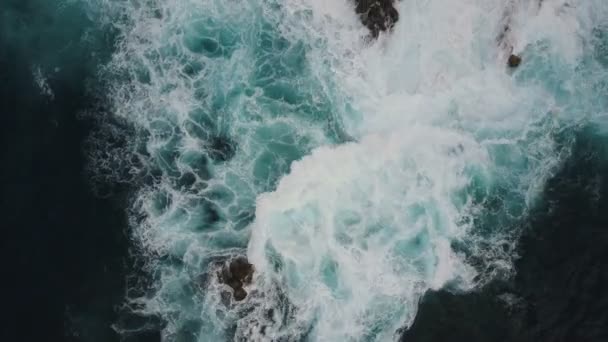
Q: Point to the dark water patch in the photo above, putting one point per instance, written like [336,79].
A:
[112,161]
[473,317]
[560,290]
[139,328]
[599,40]
[221,148]
[65,249]
[563,272]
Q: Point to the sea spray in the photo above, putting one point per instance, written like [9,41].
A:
[355,174]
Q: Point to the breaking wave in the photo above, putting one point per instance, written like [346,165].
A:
[355,175]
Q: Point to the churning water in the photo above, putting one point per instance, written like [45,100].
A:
[354,174]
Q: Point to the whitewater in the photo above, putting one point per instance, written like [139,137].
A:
[354,174]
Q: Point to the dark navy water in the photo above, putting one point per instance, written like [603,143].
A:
[64,249]
[67,254]
[559,293]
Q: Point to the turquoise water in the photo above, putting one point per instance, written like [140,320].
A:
[355,176]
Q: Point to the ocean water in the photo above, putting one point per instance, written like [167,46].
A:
[367,181]
[64,247]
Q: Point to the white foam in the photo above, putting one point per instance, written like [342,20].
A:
[363,229]
[362,206]
[435,112]
[42,83]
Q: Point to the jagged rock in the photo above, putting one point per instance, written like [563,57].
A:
[239,294]
[514,61]
[237,273]
[377,15]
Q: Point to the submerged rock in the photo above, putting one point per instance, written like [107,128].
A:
[239,294]
[514,61]
[236,273]
[377,15]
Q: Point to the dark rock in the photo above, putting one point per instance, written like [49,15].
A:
[514,61]
[241,269]
[377,15]
[236,273]
[239,294]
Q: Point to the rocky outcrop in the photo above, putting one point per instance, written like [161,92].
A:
[514,61]
[377,15]
[236,273]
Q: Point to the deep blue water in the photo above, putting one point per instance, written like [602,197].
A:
[559,293]
[74,242]
[64,249]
